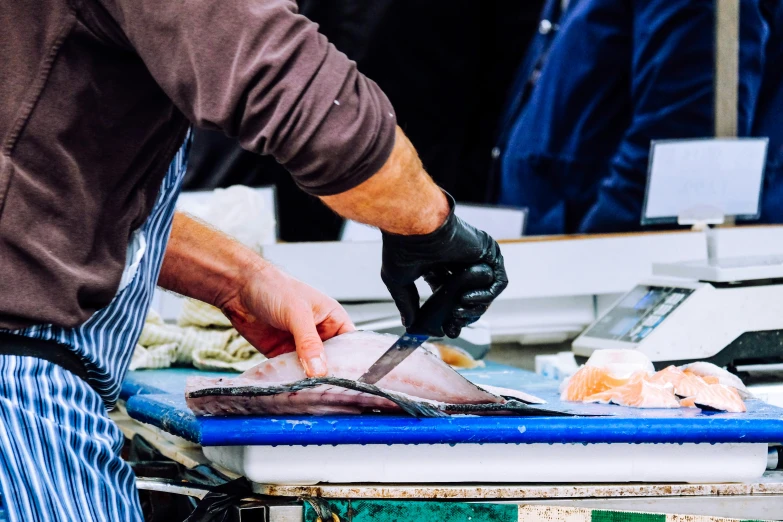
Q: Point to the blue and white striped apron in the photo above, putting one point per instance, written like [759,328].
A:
[59,451]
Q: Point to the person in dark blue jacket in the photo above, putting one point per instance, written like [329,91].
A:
[605,77]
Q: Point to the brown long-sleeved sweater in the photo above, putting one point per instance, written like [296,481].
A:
[95,98]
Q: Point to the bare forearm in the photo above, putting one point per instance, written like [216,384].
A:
[205,264]
[400,198]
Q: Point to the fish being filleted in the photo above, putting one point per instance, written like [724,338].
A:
[422,385]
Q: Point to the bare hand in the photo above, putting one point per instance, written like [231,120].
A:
[278,314]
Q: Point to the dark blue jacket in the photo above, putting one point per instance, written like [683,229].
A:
[607,76]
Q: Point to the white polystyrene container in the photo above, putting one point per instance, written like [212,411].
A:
[538,463]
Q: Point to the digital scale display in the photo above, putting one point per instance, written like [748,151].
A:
[638,313]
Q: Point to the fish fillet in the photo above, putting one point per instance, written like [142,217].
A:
[639,392]
[708,370]
[716,397]
[626,378]
[456,357]
[421,385]
[604,370]
[589,380]
[685,384]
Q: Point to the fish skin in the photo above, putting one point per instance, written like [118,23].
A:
[333,394]
[338,396]
[421,378]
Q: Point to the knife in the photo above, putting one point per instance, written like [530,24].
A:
[428,322]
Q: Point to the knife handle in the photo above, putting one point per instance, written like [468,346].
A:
[438,308]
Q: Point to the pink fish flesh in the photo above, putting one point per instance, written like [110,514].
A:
[422,385]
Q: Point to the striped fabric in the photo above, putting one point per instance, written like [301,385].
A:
[59,452]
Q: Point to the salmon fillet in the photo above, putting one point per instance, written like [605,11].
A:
[638,392]
[685,384]
[587,381]
[716,397]
[709,372]
[626,378]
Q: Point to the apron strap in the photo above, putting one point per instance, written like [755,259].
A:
[51,351]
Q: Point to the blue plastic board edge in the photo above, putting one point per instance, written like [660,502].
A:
[227,431]
[160,414]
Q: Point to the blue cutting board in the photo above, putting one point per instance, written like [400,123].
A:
[157,397]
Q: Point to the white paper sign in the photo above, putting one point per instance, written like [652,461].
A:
[724,174]
[498,222]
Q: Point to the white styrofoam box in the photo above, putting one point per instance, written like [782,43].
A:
[167,304]
[249,214]
[498,222]
[557,366]
[539,320]
[537,267]
[196,201]
[770,393]
[541,463]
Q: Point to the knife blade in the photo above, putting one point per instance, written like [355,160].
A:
[402,348]
[428,322]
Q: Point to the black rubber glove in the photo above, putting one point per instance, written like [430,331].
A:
[456,245]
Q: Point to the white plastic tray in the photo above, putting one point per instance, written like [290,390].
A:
[530,463]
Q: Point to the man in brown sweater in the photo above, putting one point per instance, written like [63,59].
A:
[96,98]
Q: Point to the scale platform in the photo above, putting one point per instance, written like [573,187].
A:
[724,270]
[605,444]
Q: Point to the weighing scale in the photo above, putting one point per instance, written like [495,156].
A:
[726,311]
[724,314]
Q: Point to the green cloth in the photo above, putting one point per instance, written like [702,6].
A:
[420,511]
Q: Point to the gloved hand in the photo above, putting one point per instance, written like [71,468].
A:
[456,245]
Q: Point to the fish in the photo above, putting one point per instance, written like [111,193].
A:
[587,381]
[707,370]
[627,378]
[685,384]
[422,385]
[455,356]
[604,370]
[638,392]
[718,397]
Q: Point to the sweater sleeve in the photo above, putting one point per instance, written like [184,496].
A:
[260,72]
